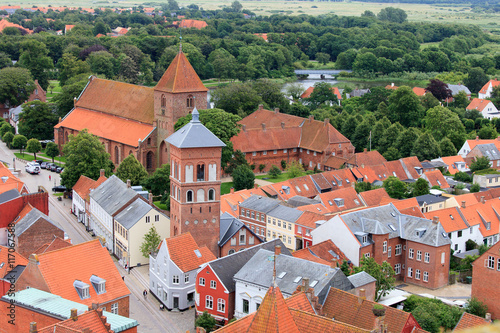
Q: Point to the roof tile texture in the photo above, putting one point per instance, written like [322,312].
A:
[180,77]
[181,250]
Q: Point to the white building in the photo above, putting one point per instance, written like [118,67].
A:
[81,199]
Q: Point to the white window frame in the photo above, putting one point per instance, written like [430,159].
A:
[398,250]
[209,302]
[221,305]
[114,308]
[426,277]
[417,274]
[213,284]
[397,269]
[411,253]
[384,247]
[427,257]
[175,279]
[201,281]
[410,272]
[419,255]
[186,278]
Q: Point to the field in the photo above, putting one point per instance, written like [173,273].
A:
[416,12]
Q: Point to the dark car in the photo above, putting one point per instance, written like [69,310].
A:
[47,165]
[59,169]
[43,165]
[39,161]
[59,188]
[53,167]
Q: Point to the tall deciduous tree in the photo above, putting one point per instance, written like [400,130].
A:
[439,89]
[85,155]
[447,148]
[426,147]
[159,183]
[37,120]
[383,274]
[481,163]
[294,170]
[33,146]
[52,150]
[395,187]
[476,79]
[238,98]
[243,178]
[151,241]
[421,187]
[16,85]
[392,14]
[34,56]
[131,168]
[441,123]
[7,138]
[65,100]
[406,140]
[322,94]
[20,142]
[70,66]
[405,108]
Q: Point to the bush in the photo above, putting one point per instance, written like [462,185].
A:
[476,307]
[475,188]
[274,172]
[462,177]
[283,164]
[206,321]
[262,167]
[470,245]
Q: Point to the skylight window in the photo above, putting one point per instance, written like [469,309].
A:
[298,189]
[392,227]
[330,202]
[314,283]
[281,275]
[444,235]
[451,217]
[198,253]
[347,181]
[356,202]
[297,279]
[393,214]
[307,188]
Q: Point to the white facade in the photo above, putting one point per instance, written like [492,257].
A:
[490,111]
[248,297]
[464,150]
[101,223]
[460,237]
[79,208]
[336,230]
[488,92]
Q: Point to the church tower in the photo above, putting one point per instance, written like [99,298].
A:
[195,171]
[177,93]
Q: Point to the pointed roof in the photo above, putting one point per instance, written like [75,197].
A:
[180,77]
[194,135]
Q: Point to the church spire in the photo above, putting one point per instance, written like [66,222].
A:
[195,116]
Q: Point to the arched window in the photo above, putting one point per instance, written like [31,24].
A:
[200,172]
[163,101]
[150,160]
[189,196]
[117,155]
[211,194]
[190,101]
[130,152]
[149,141]
[178,193]
[231,251]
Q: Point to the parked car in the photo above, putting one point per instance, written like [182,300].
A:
[33,168]
[53,167]
[38,161]
[59,188]
[48,165]
[59,169]
[43,165]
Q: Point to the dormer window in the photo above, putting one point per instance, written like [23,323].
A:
[364,239]
[99,284]
[82,289]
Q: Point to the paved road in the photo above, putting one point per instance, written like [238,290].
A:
[146,312]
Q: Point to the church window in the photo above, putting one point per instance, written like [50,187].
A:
[117,155]
[200,195]
[211,194]
[189,196]
[163,101]
[149,141]
[190,101]
[200,172]
[149,160]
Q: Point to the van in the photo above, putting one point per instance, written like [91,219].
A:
[33,168]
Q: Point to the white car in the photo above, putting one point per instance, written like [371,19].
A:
[33,168]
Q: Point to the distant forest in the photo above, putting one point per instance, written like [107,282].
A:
[490,5]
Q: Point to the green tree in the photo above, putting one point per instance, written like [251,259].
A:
[426,147]
[406,141]
[19,141]
[7,138]
[100,28]
[383,274]
[85,155]
[405,107]
[322,94]
[274,171]
[33,146]
[323,58]
[361,136]
[460,100]
[236,6]
[476,79]
[150,243]
[237,160]
[70,66]
[392,154]
[421,187]
[295,90]
[487,132]
[16,85]
[390,137]
[34,56]
[237,98]
[392,14]
[395,188]
[475,188]
[362,186]
[243,178]
[206,321]
[52,150]
[37,120]
[441,123]
[225,63]
[345,268]
[425,315]
[65,100]
[447,148]
[271,94]
[131,168]
[481,163]
[102,62]
[365,62]
[6,128]
[159,183]
[294,170]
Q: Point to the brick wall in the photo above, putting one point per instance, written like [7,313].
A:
[224,251]
[438,273]
[485,280]
[123,306]
[10,210]
[38,234]
[23,318]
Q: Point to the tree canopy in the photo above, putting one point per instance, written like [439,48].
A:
[37,120]
[131,169]
[16,84]
[383,274]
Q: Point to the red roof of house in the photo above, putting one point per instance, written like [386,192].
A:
[180,77]
[9,260]
[61,268]
[391,86]
[478,104]
[450,161]
[308,92]
[263,36]
[192,24]
[4,24]
[11,182]
[468,320]
[107,126]
[395,168]
[450,218]
[321,253]
[299,301]
[335,162]
[374,197]
[230,202]
[494,83]
[411,163]
[349,196]
[435,178]
[100,35]
[68,27]
[90,321]
[56,244]
[469,198]
[483,213]
[309,219]
[85,184]
[367,158]
[419,91]
[303,186]
[181,250]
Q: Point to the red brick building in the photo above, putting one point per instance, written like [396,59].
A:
[131,119]
[235,236]
[268,137]
[195,157]
[485,278]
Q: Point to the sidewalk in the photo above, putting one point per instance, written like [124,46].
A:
[452,291]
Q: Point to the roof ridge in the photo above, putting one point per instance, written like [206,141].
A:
[65,248]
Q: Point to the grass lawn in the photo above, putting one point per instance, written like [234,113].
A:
[51,92]
[278,179]
[160,205]
[28,157]
[57,159]
[225,188]
[60,194]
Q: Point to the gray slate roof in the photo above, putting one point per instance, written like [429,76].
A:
[229,226]
[298,201]
[430,199]
[360,279]
[15,112]
[260,203]
[359,92]
[112,194]
[378,220]
[9,195]
[133,213]
[259,271]
[226,267]
[456,88]
[285,213]
[194,135]
[29,219]
[489,150]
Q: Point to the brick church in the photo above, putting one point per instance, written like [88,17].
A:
[132,119]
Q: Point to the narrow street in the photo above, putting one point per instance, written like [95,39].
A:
[145,311]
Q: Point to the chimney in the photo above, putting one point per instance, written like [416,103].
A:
[277,250]
[362,293]
[435,219]
[33,259]
[261,106]
[128,183]
[392,84]
[477,138]
[305,284]
[74,101]
[263,127]
[150,198]
[244,128]
[282,125]
[365,150]
[101,173]
[60,119]
[74,315]
[482,199]
[276,110]
[487,317]
[311,118]
[231,190]
[33,328]
[463,204]
[327,121]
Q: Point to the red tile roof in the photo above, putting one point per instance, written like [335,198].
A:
[263,36]
[450,161]
[348,194]
[299,301]
[469,198]
[321,253]
[124,100]
[374,197]
[68,27]
[26,209]
[308,92]
[89,321]
[192,24]
[269,139]
[107,126]
[4,24]
[230,202]
[450,218]
[56,244]
[11,182]
[9,260]
[181,250]
[335,162]
[494,83]
[435,178]
[304,186]
[473,143]
[85,184]
[395,168]
[309,219]
[62,267]
[419,91]
[478,104]
[469,320]
[411,163]
[180,77]
[482,213]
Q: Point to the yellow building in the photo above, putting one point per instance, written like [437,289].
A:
[281,224]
